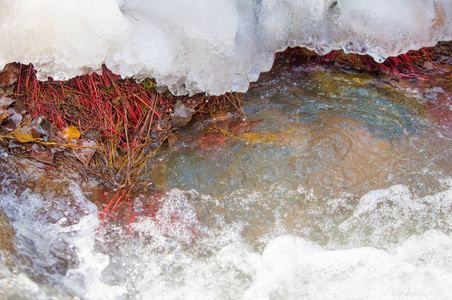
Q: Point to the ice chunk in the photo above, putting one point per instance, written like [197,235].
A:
[211,46]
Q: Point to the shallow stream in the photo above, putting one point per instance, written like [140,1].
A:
[334,186]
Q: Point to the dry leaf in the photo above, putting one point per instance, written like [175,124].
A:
[240,127]
[86,152]
[222,115]
[12,122]
[172,139]
[19,107]
[3,116]
[40,126]
[5,102]
[14,144]
[23,134]
[119,161]
[69,133]
[116,101]
[58,141]
[40,153]
[9,75]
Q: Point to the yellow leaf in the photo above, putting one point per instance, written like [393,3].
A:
[23,137]
[70,132]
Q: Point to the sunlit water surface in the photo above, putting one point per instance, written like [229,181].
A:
[342,191]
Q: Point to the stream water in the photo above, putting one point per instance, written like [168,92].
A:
[342,189]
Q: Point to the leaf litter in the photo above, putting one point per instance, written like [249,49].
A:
[36,136]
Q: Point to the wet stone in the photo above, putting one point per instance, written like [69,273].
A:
[6,235]
[182,115]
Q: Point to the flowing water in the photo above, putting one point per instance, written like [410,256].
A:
[342,189]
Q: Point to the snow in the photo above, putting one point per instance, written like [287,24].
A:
[211,46]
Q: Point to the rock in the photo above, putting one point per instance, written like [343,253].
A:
[182,115]
[7,247]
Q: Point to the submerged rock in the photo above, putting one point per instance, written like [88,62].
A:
[182,115]
[7,247]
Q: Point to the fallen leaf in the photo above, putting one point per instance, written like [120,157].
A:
[14,144]
[12,123]
[116,101]
[5,102]
[119,161]
[172,139]
[3,116]
[9,75]
[40,126]
[222,115]
[40,153]
[86,152]
[19,107]
[23,134]
[240,127]
[3,144]
[9,90]
[69,133]
[157,127]
[58,141]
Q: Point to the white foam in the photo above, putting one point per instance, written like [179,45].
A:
[176,219]
[293,268]
[212,46]
[219,264]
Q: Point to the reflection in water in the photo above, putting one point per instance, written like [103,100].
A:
[344,156]
[334,133]
[336,137]
[333,162]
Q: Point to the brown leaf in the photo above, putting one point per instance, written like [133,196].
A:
[172,139]
[40,153]
[56,148]
[157,127]
[5,102]
[116,101]
[222,115]
[13,121]
[14,144]
[19,107]
[3,116]
[40,126]
[85,153]
[9,75]
[119,161]
[12,68]
[240,127]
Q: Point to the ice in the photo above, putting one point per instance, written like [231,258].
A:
[211,46]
